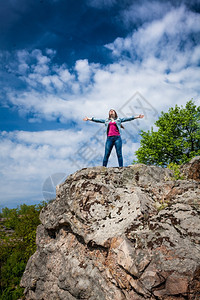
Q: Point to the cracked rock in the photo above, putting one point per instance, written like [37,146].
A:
[119,234]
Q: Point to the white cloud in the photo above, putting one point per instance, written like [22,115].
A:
[98,88]
[22,55]
[145,12]
[159,59]
[64,74]
[147,61]
[195,57]
[29,158]
[84,70]
[166,38]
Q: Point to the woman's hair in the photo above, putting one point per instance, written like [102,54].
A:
[116,116]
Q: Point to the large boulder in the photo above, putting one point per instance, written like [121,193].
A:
[116,234]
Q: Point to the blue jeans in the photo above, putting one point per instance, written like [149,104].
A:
[110,142]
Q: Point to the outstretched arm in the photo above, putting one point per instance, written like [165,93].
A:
[132,118]
[94,120]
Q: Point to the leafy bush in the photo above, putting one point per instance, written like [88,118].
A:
[176,169]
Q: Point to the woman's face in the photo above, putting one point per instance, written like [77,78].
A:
[112,113]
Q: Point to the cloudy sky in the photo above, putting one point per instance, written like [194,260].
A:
[62,60]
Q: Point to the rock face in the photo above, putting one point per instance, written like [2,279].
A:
[116,234]
[191,170]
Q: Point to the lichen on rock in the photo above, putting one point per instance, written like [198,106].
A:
[118,234]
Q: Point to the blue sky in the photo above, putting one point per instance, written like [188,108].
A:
[63,60]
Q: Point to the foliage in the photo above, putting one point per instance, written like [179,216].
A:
[15,249]
[162,206]
[177,139]
[176,169]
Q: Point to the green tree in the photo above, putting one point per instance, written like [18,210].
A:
[15,249]
[176,140]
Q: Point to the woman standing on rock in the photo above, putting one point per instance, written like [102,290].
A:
[113,129]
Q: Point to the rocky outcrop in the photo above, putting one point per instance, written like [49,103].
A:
[116,234]
[191,170]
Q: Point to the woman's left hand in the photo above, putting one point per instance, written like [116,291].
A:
[141,116]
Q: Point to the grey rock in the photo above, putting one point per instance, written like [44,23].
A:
[118,233]
[191,170]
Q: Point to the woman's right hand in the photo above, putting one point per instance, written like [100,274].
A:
[86,119]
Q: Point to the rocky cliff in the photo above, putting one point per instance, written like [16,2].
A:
[119,233]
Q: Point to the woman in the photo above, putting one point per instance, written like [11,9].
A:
[113,129]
